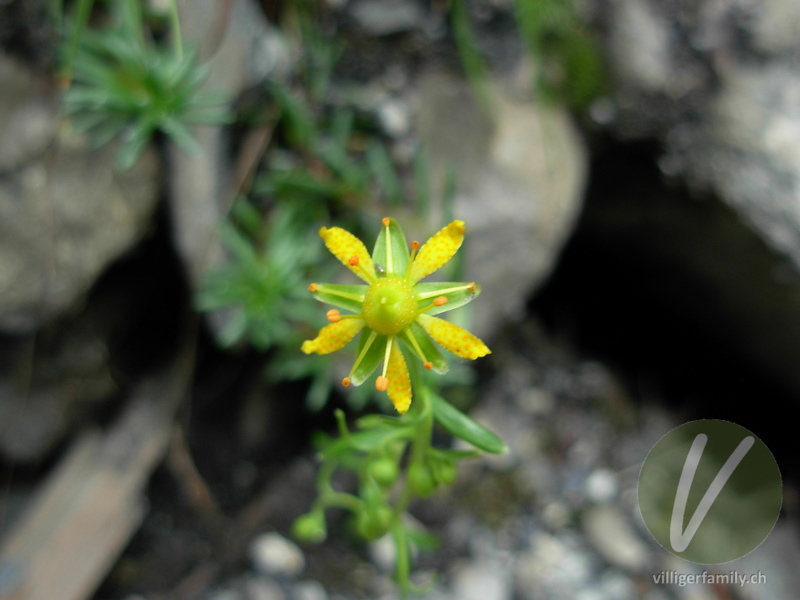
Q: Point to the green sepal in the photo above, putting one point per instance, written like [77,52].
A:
[349,297]
[456,293]
[370,353]
[391,249]
[420,343]
[460,425]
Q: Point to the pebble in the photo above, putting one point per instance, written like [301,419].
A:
[395,118]
[385,17]
[257,588]
[481,582]
[601,486]
[309,590]
[273,554]
[614,538]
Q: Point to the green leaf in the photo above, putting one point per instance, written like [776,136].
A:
[349,297]
[391,249]
[420,343]
[371,351]
[181,136]
[457,294]
[422,182]
[382,167]
[460,425]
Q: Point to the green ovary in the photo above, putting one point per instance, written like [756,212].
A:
[390,305]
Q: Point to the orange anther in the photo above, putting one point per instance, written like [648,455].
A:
[471,287]
[415,245]
[353,261]
[346,382]
[428,365]
[385,221]
[382,383]
[333,315]
[313,287]
[440,301]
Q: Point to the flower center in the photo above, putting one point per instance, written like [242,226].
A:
[389,305]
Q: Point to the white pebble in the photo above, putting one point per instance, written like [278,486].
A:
[274,554]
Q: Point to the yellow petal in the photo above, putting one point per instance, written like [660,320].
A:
[350,250]
[399,381]
[333,337]
[453,338]
[435,253]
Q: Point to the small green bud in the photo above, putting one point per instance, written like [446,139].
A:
[421,479]
[374,522]
[310,527]
[445,471]
[384,471]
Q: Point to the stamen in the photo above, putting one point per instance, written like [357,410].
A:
[386,356]
[353,261]
[428,365]
[385,221]
[469,287]
[414,248]
[440,301]
[327,290]
[346,382]
[364,350]
[381,383]
[333,315]
[409,337]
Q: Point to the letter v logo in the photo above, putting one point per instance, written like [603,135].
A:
[710,491]
[681,540]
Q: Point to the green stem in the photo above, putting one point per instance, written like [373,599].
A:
[175,26]
[422,437]
[84,10]
[402,566]
[340,500]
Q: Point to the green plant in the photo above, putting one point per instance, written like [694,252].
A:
[123,84]
[393,457]
[569,62]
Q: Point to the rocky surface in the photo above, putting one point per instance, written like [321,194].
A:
[679,310]
[556,518]
[521,171]
[66,213]
[717,84]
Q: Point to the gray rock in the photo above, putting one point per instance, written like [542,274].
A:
[614,537]
[28,114]
[718,83]
[72,378]
[63,219]
[479,581]
[273,554]
[309,590]
[384,17]
[520,181]
[776,26]
[256,588]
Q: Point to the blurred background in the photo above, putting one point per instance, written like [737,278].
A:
[629,172]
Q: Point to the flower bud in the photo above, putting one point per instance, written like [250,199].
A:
[421,479]
[310,527]
[384,471]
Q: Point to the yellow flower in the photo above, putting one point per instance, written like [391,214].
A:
[394,306]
